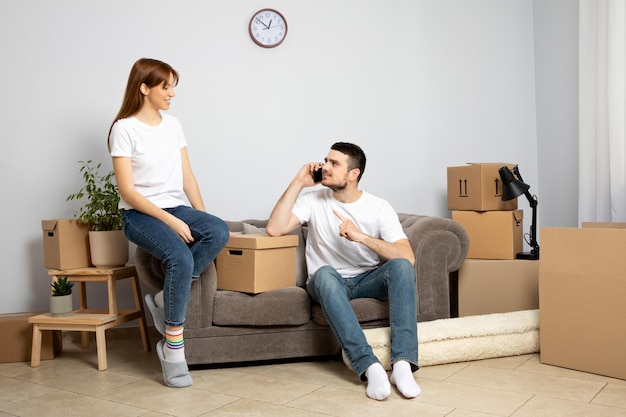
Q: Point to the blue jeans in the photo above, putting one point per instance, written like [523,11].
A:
[393,281]
[182,262]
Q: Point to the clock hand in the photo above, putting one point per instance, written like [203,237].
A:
[268,26]
[261,22]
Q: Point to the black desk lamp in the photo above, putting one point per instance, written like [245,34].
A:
[514,186]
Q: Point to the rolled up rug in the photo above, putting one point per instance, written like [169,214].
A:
[465,338]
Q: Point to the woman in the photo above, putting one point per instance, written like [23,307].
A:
[157,187]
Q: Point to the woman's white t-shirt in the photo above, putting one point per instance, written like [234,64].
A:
[372,215]
[155,156]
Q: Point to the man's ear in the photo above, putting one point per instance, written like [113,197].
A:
[354,174]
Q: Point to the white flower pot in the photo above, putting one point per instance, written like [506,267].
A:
[60,305]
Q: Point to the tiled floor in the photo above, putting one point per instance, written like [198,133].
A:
[70,385]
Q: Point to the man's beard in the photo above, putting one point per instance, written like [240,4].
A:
[339,187]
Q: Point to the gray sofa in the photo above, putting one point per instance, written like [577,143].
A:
[226,326]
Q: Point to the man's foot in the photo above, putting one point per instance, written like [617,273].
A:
[378,387]
[402,378]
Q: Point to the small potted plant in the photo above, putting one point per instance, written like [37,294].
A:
[61,297]
[107,242]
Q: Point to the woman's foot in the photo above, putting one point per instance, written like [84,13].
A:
[158,313]
[175,374]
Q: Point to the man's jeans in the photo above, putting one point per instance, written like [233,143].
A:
[182,262]
[393,281]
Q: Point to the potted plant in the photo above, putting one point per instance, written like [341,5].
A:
[107,242]
[61,297]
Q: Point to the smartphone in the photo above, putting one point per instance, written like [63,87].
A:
[317,175]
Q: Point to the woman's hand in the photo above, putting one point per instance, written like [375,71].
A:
[181,229]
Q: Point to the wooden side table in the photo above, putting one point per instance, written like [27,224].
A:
[88,320]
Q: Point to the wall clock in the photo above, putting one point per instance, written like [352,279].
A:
[268,28]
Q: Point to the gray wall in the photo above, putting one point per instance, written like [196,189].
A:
[421,85]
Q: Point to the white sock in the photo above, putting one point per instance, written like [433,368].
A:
[174,349]
[378,387]
[158,299]
[402,378]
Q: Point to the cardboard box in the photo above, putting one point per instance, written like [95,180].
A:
[477,187]
[493,234]
[18,335]
[608,225]
[256,263]
[497,286]
[581,298]
[65,244]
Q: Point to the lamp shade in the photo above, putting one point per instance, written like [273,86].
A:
[513,187]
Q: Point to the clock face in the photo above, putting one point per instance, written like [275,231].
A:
[268,28]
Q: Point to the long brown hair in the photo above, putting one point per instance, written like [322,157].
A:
[150,72]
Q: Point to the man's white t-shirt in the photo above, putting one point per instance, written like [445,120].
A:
[372,215]
[155,156]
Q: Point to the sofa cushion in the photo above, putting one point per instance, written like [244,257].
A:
[366,310]
[285,306]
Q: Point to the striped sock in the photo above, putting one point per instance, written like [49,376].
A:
[174,349]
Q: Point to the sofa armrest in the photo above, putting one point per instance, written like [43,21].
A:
[440,246]
[202,299]
[200,309]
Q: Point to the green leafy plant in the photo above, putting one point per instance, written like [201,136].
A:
[62,286]
[102,196]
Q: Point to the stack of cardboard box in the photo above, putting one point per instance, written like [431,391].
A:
[491,280]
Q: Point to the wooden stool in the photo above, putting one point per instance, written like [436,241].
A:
[86,320]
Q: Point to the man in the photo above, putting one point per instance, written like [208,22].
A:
[356,248]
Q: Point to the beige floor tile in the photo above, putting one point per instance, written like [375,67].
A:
[155,414]
[155,396]
[612,395]
[130,359]
[247,408]
[444,371]
[471,398]
[524,382]
[552,407]
[254,368]
[13,369]
[80,379]
[465,413]
[70,385]
[67,404]
[440,372]
[326,373]
[535,366]
[322,373]
[258,387]
[340,402]
[12,391]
